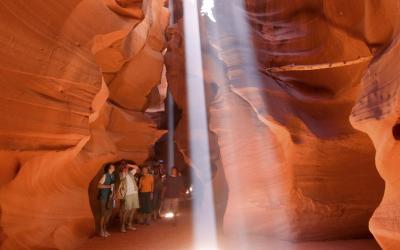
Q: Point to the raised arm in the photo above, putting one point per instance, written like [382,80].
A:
[122,176]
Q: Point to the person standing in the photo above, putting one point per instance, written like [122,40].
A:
[146,187]
[128,191]
[173,188]
[106,186]
[157,194]
[121,198]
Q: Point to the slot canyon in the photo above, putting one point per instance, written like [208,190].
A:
[300,102]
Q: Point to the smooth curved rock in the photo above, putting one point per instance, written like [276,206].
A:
[62,113]
[377,114]
[305,170]
[77,77]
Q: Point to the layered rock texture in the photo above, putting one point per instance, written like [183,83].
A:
[377,113]
[314,174]
[294,165]
[302,99]
[75,79]
[327,175]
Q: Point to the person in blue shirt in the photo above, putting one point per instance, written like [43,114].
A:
[106,187]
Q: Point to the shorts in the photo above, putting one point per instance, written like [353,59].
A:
[171,205]
[104,209]
[131,201]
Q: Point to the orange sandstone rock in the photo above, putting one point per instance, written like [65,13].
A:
[63,65]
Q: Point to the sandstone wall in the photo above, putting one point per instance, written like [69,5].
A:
[75,88]
[377,113]
[301,172]
[75,76]
[294,165]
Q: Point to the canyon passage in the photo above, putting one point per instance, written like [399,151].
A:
[279,118]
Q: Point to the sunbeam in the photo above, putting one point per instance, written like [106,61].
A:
[203,207]
[171,131]
[230,37]
[207,9]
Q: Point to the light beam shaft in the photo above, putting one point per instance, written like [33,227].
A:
[203,207]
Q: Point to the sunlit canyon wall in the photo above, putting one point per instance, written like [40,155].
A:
[176,76]
[377,113]
[295,167]
[75,88]
[303,168]
[75,77]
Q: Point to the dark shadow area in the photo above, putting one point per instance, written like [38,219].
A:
[396,131]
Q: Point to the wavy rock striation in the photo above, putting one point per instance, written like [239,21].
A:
[74,91]
[377,113]
[303,169]
[286,160]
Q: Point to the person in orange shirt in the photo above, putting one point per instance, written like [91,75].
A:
[146,187]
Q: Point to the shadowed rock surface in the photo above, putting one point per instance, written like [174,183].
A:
[70,101]
[78,76]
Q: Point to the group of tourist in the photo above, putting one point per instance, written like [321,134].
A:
[140,193]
